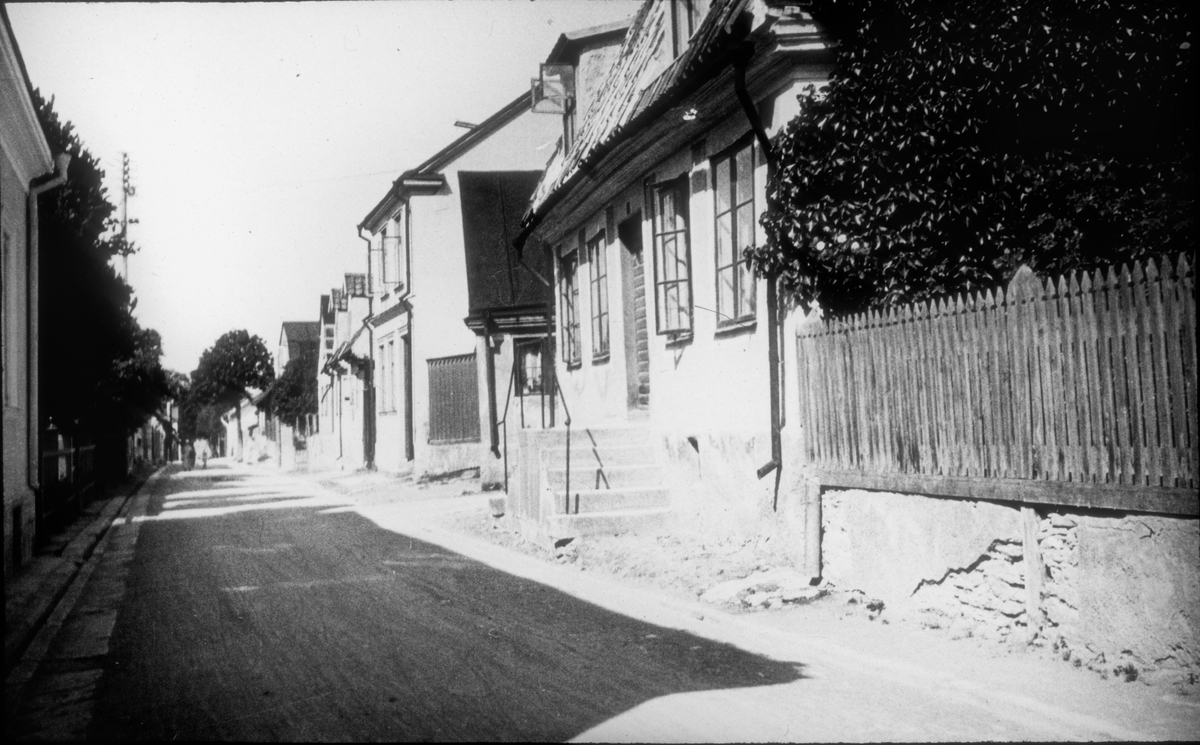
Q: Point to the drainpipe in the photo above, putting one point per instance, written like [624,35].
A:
[773,325]
[57,179]
[489,327]
[369,419]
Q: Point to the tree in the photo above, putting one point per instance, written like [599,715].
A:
[229,368]
[294,394]
[100,371]
[956,141]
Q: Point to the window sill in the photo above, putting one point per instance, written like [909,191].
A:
[601,359]
[574,365]
[679,339]
[735,328]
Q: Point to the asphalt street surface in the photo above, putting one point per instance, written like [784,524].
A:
[251,613]
[236,604]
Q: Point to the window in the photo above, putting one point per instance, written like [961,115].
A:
[390,361]
[10,284]
[598,261]
[685,17]
[734,183]
[529,369]
[569,294]
[392,258]
[672,257]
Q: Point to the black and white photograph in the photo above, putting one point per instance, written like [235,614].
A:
[599,371]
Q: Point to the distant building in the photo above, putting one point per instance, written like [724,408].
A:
[426,246]
[346,437]
[26,170]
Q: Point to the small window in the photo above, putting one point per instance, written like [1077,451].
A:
[672,257]
[685,17]
[598,261]
[569,296]
[529,367]
[734,188]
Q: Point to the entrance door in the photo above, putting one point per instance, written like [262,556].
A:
[637,340]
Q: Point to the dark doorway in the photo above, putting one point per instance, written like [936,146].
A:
[637,340]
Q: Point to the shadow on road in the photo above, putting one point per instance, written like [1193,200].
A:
[291,623]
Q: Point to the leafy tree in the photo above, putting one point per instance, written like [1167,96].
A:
[100,372]
[956,141]
[229,368]
[294,394]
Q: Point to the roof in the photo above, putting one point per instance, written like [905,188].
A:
[301,331]
[626,98]
[18,117]
[427,174]
[492,205]
[566,49]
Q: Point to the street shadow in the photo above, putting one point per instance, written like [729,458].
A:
[299,624]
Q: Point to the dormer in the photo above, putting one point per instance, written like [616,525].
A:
[574,71]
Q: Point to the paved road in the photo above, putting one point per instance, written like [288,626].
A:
[229,605]
[253,612]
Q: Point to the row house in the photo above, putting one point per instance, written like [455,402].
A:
[669,347]
[438,248]
[26,171]
[345,389]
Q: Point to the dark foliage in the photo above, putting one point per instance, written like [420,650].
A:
[294,394]
[956,141]
[235,363]
[101,375]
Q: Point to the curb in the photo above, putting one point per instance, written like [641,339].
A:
[22,625]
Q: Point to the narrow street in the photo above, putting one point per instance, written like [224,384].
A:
[236,605]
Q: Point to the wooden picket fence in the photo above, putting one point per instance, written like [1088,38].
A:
[1078,391]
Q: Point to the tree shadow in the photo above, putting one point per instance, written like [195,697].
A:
[324,626]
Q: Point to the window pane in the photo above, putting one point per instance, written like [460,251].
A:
[724,240]
[745,175]
[746,295]
[722,189]
[668,262]
[745,229]
[725,279]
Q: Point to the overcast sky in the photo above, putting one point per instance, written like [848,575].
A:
[261,134]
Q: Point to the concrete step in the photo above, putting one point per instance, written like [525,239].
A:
[604,436]
[583,475]
[596,523]
[589,458]
[588,501]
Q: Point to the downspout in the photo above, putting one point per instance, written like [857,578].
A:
[773,325]
[369,423]
[32,253]
[490,371]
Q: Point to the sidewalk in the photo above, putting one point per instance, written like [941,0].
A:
[842,637]
[38,586]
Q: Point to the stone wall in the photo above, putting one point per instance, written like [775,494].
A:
[1117,590]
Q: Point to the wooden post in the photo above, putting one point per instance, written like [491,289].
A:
[1033,575]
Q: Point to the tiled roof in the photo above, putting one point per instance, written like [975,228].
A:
[627,94]
[301,331]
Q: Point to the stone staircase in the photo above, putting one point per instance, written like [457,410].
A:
[615,482]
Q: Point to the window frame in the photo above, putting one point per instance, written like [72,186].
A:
[737,265]
[681,188]
[572,348]
[598,295]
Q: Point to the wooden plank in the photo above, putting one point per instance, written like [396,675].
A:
[1158,352]
[973,363]
[1068,335]
[1050,403]
[1173,323]
[882,333]
[1018,298]
[1059,354]
[1187,296]
[1151,471]
[984,311]
[1120,497]
[1104,298]
[942,436]
[1002,399]
[1083,381]
[1127,390]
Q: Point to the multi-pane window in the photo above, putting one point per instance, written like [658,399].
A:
[734,184]
[598,261]
[529,356]
[672,258]
[390,358]
[569,296]
[9,278]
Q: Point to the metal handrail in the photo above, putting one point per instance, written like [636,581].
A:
[504,420]
[567,422]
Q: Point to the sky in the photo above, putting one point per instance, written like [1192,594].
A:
[261,134]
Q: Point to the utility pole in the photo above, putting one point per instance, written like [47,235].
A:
[127,190]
